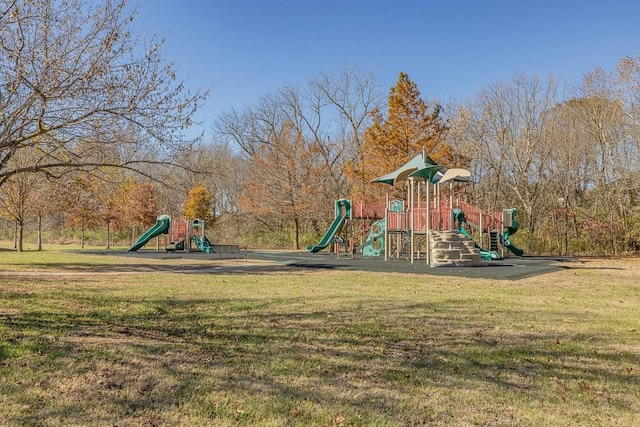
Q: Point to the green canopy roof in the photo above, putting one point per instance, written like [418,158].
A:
[428,173]
[403,172]
[423,166]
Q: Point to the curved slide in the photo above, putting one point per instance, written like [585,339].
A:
[510,231]
[203,244]
[459,217]
[161,227]
[374,244]
[336,226]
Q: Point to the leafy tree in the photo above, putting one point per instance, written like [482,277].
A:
[137,205]
[282,181]
[410,126]
[82,203]
[199,204]
[17,202]
[24,196]
[80,91]
[109,197]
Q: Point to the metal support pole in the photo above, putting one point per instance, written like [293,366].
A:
[428,225]
[481,229]
[451,216]
[411,225]
[386,228]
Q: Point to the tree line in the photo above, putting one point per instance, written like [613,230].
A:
[93,122]
[565,154]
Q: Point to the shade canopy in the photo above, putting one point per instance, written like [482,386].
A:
[423,166]
[456,174]
[402,172]
[428,173]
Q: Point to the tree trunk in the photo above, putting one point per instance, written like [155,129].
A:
[566,230]
[612,228]
[108,235]
[39,232]
[296,230]
[19,236]
[82,238]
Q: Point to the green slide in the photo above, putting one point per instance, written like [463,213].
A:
[335,227]
[161,227]
[203,244]
[510,231]
[374,244]
[458,216]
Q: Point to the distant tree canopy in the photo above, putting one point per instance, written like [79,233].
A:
[568,160]
[198,204]
[79,91]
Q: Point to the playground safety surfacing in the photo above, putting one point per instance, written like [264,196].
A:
[510,268]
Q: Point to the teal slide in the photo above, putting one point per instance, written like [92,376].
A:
[510,231]
[203,244]
[161,227]
[336,226]
[375,241]
[458,216]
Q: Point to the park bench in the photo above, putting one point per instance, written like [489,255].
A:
[228,251]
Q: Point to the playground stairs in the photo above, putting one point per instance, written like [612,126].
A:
[494,239]
[452,248]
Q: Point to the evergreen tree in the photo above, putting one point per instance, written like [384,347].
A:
[411,125]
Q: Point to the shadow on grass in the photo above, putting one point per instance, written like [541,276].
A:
[142,267]
[230,359]
[584,267]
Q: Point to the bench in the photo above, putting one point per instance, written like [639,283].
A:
[228,251]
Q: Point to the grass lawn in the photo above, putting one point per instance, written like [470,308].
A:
[85,342]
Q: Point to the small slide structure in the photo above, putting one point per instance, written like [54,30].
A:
[341,216]
[374,245]
[510,231]
[203,244]
[161,227]
[459,218]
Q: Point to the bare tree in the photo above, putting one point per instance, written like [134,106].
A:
[352,96]
[79,90]
[506,124]
[330,112]
[18,201]
[612,157]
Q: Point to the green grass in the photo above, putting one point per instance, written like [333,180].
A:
[327,348]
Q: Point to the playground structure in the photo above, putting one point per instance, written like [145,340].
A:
[181,232]
[430,223]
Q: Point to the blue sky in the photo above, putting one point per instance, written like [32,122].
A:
[243,49]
